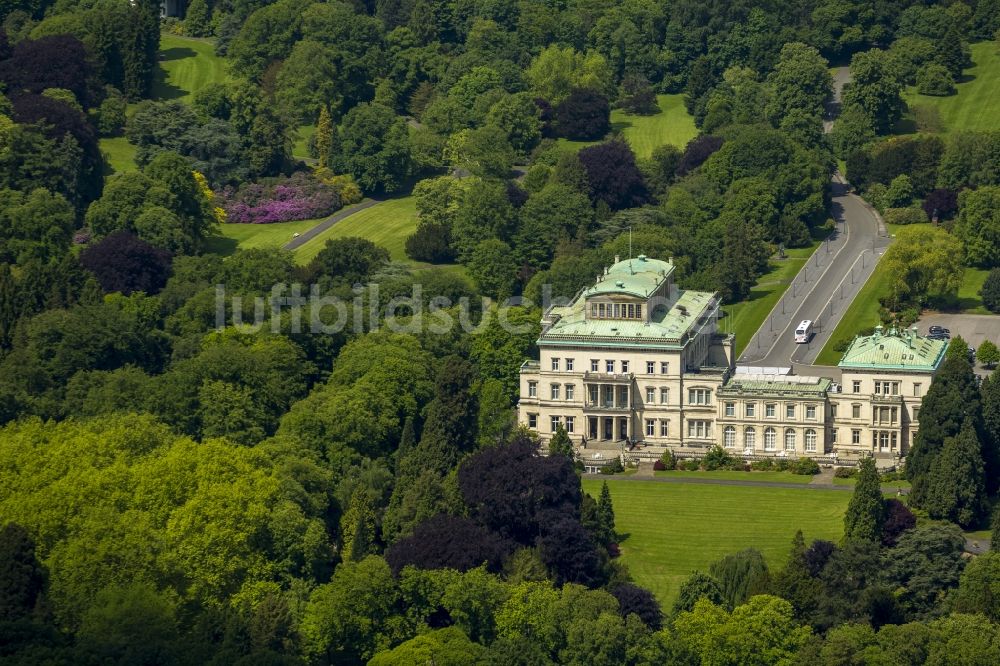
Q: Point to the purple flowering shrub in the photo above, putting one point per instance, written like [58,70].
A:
[283,199]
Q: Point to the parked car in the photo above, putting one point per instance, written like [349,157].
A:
[937,330]
[939,336]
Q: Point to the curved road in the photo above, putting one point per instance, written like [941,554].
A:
[824,288]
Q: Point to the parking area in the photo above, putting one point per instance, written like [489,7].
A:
[973,328]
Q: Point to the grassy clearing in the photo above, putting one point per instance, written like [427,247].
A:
[386,224]
[969,300]
[672,125]
[729,475]
[300,147]
[974,105]
[119,155]
[186,66]
[744,318]
[675,529]
[248,236]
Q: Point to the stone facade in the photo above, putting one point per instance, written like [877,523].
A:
[635,362]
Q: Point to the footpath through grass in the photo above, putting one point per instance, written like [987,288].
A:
[386,224]
[674,529]
[744,318]
[974,106]
[671,126]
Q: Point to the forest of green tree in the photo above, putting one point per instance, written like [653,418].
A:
[176,492]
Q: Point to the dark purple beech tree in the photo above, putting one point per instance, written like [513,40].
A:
[634,599]
[942,203]
[612,175]
[124,262]
[59,61]
[447,542]
[584,115]
[56,119]
[697,151]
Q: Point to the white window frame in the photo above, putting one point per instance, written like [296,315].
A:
[532,389]
[664,395]
[570,390]
[555,364]
[770,439]
[811,445]
[730,409]
[553,391]
[790,438]
[770,410]
[664,427]
[650,395]
[811,412]
[570,423]
[789,411]
[650,367]
[729,437]
[569,365]
[650,427]
[751,410]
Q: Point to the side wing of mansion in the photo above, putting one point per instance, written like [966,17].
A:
[634,360]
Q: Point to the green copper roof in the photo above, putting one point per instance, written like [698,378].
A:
[635,277]
[775,385]
[667,326]
[895,350]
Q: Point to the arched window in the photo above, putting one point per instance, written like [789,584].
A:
[729,437]
[789,440]
[748,438]
[770,439]
[810,441]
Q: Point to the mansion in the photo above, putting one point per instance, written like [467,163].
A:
[636,362]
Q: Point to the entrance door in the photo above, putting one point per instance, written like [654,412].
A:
[622,428]
[609,428]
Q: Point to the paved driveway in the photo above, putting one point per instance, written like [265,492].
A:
[973,328]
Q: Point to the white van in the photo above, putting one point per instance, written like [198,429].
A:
[804,331]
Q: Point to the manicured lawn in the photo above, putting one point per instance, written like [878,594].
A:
[386,224]
[974,106]
[300,147]
[729,475]
[120,154]
[969,299]
[745,317]
[672,125]
[186,66]
[674,529]
[248,236]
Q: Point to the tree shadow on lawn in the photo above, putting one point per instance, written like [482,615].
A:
[177,53]
[221,245]
[161,89]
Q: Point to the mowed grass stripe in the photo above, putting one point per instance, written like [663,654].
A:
[673,125]
[675,529]
[386,224]
[186,66]
[974,106]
